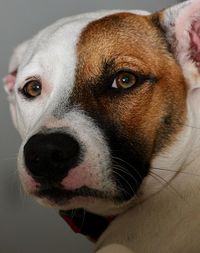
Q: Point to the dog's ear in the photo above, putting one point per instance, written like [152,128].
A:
[9,80]
[181,25]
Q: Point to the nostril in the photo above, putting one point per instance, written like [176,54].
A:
[51,156]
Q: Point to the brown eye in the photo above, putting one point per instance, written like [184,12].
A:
[32,89]
[124,80]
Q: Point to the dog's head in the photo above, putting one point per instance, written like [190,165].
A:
[98,98]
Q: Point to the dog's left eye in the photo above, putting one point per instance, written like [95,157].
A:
[124,80]
[32,89]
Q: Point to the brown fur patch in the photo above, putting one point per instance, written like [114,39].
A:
[153,112]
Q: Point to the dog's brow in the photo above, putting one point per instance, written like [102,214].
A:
[108,66]
[35,77]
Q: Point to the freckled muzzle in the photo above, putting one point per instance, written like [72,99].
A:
[49,157]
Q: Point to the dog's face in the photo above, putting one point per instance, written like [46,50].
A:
[96,99]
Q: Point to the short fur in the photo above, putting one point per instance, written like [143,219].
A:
[139,148]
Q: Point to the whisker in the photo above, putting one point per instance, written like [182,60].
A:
[73,212]
[177,171]
[120,168]
[83,218]
[167,184]
[131,166]
[194,127]
[131,188]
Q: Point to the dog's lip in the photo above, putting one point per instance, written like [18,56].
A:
[60,195]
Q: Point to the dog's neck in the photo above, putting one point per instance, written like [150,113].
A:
[173,206]
[181,158]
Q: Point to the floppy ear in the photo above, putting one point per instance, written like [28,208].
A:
[9,80]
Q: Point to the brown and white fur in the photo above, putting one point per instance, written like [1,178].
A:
[140,147]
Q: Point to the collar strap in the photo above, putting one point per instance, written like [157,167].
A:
[86,223]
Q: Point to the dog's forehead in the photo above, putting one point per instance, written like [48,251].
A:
[58,41]
[120,37]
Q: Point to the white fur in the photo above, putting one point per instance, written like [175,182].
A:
[167,216]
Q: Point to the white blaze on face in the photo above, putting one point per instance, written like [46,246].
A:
[51,57]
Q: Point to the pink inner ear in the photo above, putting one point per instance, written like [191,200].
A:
[9,81]
[195,42]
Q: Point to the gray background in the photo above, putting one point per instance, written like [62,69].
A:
[26,227]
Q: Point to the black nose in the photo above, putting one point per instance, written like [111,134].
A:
[49,157]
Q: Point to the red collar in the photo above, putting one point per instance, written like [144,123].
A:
[88,224]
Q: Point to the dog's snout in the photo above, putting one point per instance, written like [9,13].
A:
[49,157]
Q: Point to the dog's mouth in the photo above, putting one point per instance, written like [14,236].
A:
[61,196]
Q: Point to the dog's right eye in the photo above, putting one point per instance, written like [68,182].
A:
[32,89]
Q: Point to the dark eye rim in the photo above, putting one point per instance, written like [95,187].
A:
[103,85]
[24,92]
[140,77]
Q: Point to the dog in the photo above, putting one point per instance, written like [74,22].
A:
[107,105]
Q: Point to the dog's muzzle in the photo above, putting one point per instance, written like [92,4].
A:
[49,157]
